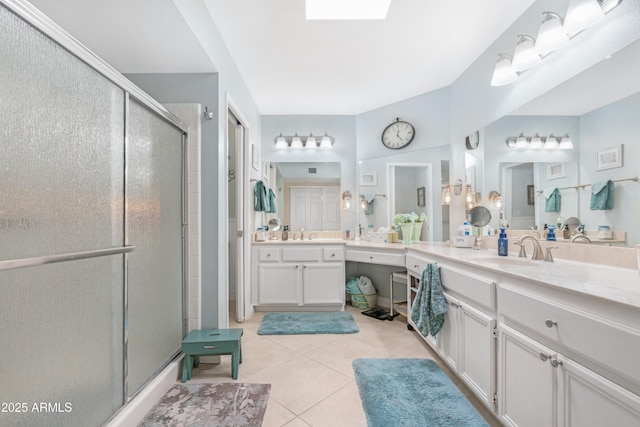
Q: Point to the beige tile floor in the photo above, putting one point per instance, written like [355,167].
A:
[312,381]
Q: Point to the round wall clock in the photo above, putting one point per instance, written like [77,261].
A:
[472,140]
[398,134]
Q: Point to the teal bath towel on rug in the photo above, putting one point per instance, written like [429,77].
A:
[552,199]
[429,306]
[602,195]
[411,393]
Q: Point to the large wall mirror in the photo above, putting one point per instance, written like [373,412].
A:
[403,183]
[600,110]
[307,194]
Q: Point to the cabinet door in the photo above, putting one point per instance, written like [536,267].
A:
[279,283]
[449,335]
[477,352]
[590,400]
[323,283]
[526,386]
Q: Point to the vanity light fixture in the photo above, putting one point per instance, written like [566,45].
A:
[503,74]
[363,202]
[581,14]
[446,195]
[346,200]
[297,142]
[469,194]
[565,143]
[525,55]
[552,35]
[536,142]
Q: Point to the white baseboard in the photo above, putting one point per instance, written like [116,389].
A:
[134,411]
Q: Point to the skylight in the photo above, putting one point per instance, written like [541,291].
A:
[347,9]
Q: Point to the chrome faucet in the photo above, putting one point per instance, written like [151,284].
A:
[302,234]
[577,237]
[537,249]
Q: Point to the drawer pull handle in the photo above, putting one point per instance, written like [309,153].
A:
[370,257]
[544,357]
[550,323]
[416,266]
[209,347]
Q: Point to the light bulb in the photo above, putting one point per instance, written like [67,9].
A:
[551,34]
[566,143]
[311,142]
[503,73]
[550,142]
[525,55]
[296,142]
[581,14]
[281,142]
[326,141]
[521,141]
[536,142]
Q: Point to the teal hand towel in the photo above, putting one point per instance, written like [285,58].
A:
[429,305]
[369,198]
[602,195]
[260,198]
[272,201]
[552,202]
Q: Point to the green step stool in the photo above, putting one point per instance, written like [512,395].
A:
[211,342]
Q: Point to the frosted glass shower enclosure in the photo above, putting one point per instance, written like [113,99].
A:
[91,230]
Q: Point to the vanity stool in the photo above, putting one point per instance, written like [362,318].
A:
[211,342]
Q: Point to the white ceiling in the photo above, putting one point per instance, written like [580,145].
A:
[295,66]
[291,65]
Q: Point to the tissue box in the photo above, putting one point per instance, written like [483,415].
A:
[464,241]
[378,237]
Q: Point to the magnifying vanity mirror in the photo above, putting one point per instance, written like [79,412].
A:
[274,224]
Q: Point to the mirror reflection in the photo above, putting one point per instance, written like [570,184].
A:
[404,183]
[307,194]
[602,121]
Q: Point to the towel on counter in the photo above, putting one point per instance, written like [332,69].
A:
[272,201]
[552,199]
[602,195]
[429,305]
[369,198]
[260,198]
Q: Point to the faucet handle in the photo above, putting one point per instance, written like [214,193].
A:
[548,257]
[523,252]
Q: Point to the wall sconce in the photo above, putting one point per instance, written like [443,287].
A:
[553,34]
[446,191]
[363,202]
[496,198]
[346,200]
[298,142]
[535,142]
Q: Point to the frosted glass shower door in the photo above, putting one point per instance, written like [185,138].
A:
[154,227]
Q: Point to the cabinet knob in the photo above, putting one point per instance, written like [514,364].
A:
[550,323]
[297,266]
[268,255]
[544,357]
[416,266]
[555,362]
[333,255]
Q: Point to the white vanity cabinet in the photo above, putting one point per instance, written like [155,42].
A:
[554,360]
[467,341]
[298,277]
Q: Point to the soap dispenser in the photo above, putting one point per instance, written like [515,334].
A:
[551,235]
[503,243]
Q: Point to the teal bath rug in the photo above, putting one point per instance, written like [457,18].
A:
[204,405]
[412,392]
[335,322]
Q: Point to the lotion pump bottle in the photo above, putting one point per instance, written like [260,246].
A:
[503,243]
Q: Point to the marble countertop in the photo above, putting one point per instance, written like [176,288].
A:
[611,283]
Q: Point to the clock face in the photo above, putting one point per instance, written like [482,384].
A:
[398,134]
[472,140]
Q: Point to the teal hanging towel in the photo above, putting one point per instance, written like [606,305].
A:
[552,199]
[602,196]
[370,198]
[260,198]
[429,305]
[272,201]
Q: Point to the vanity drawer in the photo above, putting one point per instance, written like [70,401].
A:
[581,335]
[376,257]
[269,254]
[333,254]
[296,253]
[476,290]
[417,264]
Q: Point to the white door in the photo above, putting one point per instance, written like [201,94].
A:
[331,208]
[279,283]
[449,335]
[323,283]
[526,388]
[477,352]
[589,400]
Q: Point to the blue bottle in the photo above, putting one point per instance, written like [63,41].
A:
[503,243]
[551,235]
